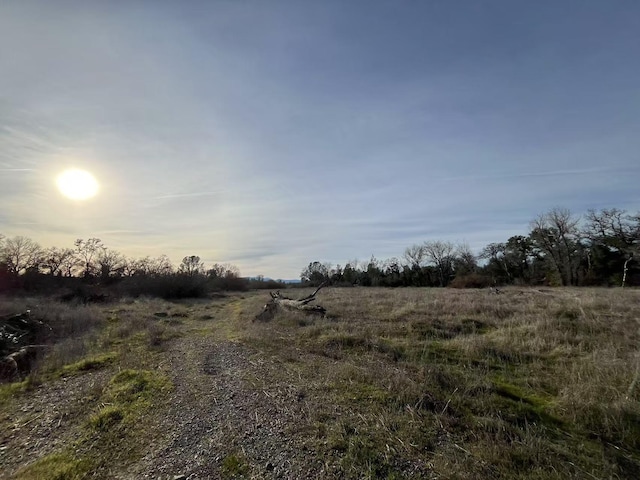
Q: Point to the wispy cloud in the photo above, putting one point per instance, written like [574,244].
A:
[551,173]
[194,194]
[320,133]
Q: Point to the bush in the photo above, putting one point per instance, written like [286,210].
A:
[237,284]
[177,286]
[266,285]
[169,287]
[472,280]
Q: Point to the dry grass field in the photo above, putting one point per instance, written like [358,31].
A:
[392,383]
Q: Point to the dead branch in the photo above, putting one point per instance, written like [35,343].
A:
[18,364]
[17,330]
[279,301]
[625,269]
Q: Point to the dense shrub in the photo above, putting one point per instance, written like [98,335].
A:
[166,286]
[472,280]
[266,284]
[175,286]
[229,283]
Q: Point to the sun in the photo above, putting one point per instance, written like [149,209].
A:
[77,184]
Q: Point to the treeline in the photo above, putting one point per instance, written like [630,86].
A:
[600,249]
[25,265]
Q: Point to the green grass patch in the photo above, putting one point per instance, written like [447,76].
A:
[364,453]
[114,427]
[333,345]
[359,392]
[91,363]
[111,430]
[10,390]
[525,407]
[234,466]
[136,386]
[447,329]
[106,418]
[58,466]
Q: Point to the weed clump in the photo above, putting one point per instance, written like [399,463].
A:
[91,363]
[106,418]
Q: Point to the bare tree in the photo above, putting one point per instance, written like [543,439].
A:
[160,266]
[440,254]
[223,270]
[56,260]
[556,233]
[20,254]
[110,263]
[616,231]
[496,253]
[70,265]
[613,227]
[625,269]
[136,266]
[147,266]
[392,266]
[191,266]
[414,255]
[88,251]
[465,260]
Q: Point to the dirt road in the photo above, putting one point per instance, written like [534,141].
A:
[218,424]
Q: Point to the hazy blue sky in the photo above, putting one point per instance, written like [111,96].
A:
[272,133]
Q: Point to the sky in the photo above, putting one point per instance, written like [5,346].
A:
[269,134]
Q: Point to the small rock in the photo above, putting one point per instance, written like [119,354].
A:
[179,477]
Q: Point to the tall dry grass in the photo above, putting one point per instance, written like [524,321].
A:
[70,331]
[531,383]
[80,336]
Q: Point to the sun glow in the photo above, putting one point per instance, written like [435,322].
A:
[77,184]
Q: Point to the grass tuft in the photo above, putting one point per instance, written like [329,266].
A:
[88,364]
[234,465]
[54,467]
[131,386]
[106,418]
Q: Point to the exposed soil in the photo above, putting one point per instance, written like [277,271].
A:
[46,419]
[216,422]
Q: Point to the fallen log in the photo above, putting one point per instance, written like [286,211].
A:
[278,301]
[18,364]
[20,329]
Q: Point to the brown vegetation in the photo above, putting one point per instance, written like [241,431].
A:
[279,302]
[464,384]
[403,383]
